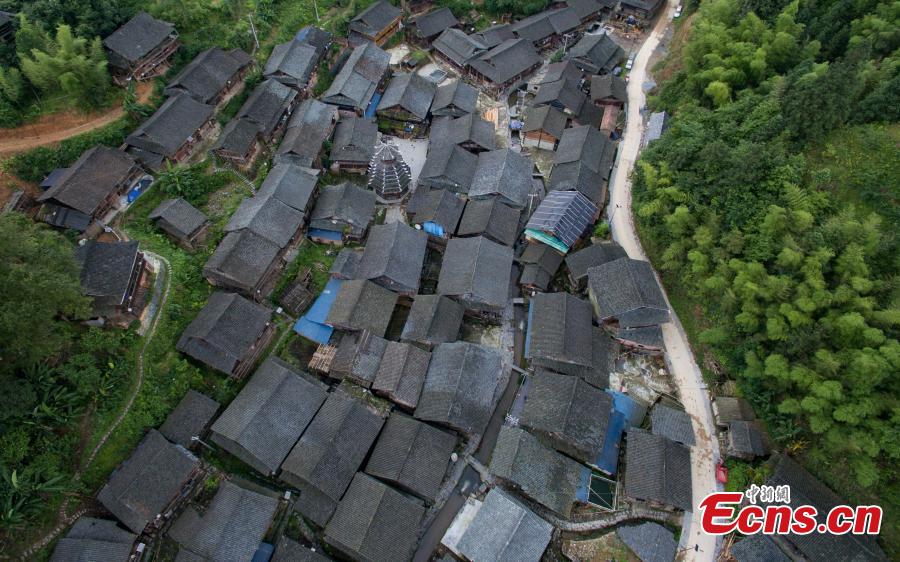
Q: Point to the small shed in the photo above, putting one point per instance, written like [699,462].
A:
[183,222]
[190,419]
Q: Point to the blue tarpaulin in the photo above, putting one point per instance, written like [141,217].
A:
[625,413]
[528,334]
[263,553]
[138,189]
[584,485]
[323,234]
[373,105]
[312,325]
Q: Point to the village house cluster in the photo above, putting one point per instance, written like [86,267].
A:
[466,389]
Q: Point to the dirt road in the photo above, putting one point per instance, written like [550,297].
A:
[679,358]
[51,129]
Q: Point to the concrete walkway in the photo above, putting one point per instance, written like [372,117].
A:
[680,360]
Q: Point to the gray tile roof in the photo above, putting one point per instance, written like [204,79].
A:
[562,70]
[564,93]
[730,408]
[94,540]
[672,424]
[561,333]
[225,331]
[504,530]
[344,266]
[460,386]
[292,63]
[448,166]
[231,528]
[470,130]
[362,305]
[190,418]
[490,218]
[375,523]
[579,176]
[440,206]
[401,373]
[145,484]
[584,8]
[656,126]
[410,92]
[394,256]
[264,421]
[595,254]
[412,455]
[503,172]
[310,126]
[540,263]
[377,17]
[657,469]
[647,336]
[288,550]
[354,140]
[564,215]
[343,204]
[745,438]
[89,181]
[757,548]
[627,290]
[315,36]
[267,105]
[494,35]
[534,28]
[608,86]
[358,79]
[569,413]
[545,118]
[241,260]
[358,358]
[205,77]
[329,453]
[454,99]
[596,53]
[542,474]
[238,137]
[582,144]
[137,37]
[106,269]
[476,271]
[457,46]
[651,542]
[266,216]
[807,490]
[178,118]
[177,217]
[432,23]
[292,185]
[433,319]
[505,61]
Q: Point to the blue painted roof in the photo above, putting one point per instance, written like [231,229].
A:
[528,333]
[625,413]
[373,105]
[312,324]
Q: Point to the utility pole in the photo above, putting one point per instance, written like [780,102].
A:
[253,29]
[316,8]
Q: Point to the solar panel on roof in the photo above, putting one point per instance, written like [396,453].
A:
[563,214]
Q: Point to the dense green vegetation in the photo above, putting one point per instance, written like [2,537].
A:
[771,202]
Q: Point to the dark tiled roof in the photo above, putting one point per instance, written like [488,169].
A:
[225,331]
[449,166]
[730,408]
[190,418]
[433,319]
[656,126]
[542,474]
[357,80]
[582,144]
[476,270]
[358,358]
[627,289]
[401,373]
[584,8]
[505,530]
[545,118]
[315,36]
[179,217]
[94,540]
[494,35]
[564,93]
[354,140]
[288,550]
[457,46]
[267,105]
[432,23]
[563,20]
[651,542]
[572,414]
[490,218]
[85,185]
[292,62]
[410,92]
[657,470]
[503,172]
[562,70]
[231,528]
[561,333]
[292,185]
[564,215]
[329,453]
[209,73]
[241,260]
[595,254]
[344,266]
[454,99]
[345,203]
[266,216]
[138,37]
[412,455]
[440,206]
[608,86]
[178,118]
[646,336]
[310,126]
[506,60]
[533,28]
[362,305]
[540,264]
[757,548]
[394,256]
[264,421]
[466,130]
[460,385]
[747,439]
[377,17]
[598,52]
[106,269]
[672,424]
[375,523]
[145,484]
[238,136]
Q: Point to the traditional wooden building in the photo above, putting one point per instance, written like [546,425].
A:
[172,133]
[213,76]
[141,48]
[377,24]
